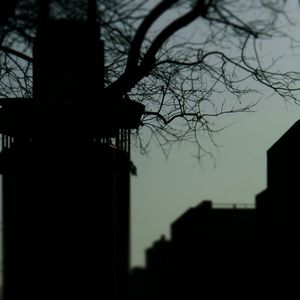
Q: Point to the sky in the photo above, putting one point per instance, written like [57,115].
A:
[165,188]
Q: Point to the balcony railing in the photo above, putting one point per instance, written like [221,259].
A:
[234,205]
[6,141]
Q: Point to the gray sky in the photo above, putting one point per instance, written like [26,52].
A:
[164,189]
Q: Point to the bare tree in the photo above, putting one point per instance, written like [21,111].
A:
[188,62]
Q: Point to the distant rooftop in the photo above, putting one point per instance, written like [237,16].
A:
[234,205]
[289,139]
[213,205]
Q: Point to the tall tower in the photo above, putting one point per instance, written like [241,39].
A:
[65,162]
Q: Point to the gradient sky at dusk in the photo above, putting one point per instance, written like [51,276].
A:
[164,189]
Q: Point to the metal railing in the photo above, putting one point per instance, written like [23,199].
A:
[234,205]
[6,141]
[123,140]
[120,142]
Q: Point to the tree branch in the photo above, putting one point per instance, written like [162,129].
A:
[16,53]
[141,32]
[129,79]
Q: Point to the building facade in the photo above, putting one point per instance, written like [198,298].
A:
[65,161]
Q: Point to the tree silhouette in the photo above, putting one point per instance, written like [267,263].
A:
[188,62]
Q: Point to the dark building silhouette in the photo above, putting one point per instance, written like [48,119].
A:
[160,268]
[216,247]
[236,253]
[211,253]
[65,162]
[279,209]
[139,283]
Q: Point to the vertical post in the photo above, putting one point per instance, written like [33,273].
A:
[128,142]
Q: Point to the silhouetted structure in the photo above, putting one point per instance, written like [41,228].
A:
[233,253]
[278,207]
[66,168]
[211,254]
[216,247]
